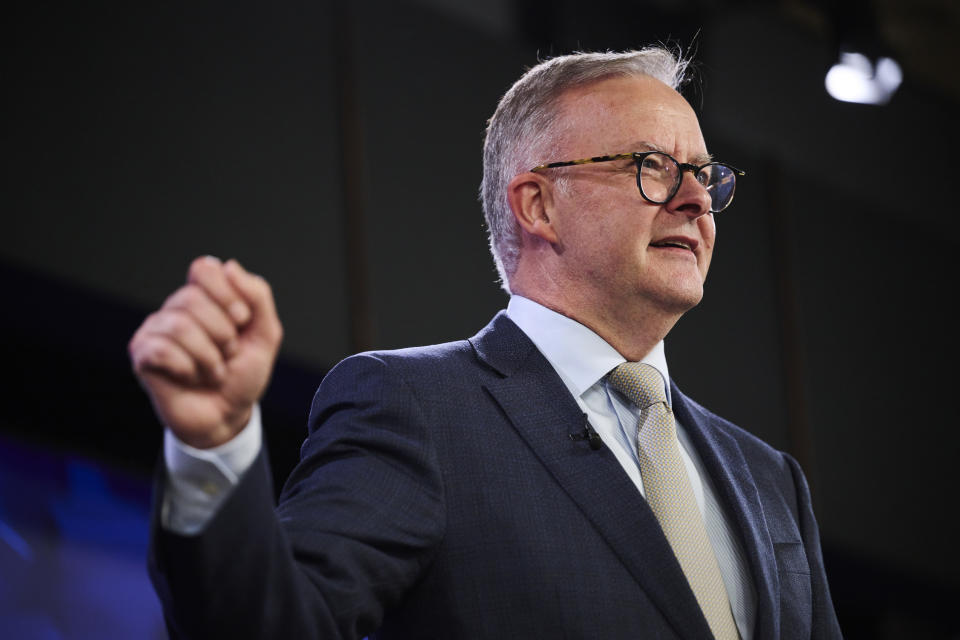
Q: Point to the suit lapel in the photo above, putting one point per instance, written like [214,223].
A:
[728,468]
[544,413]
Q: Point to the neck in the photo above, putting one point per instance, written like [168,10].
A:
[633,331]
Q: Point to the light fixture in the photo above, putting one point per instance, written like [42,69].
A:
[856,78]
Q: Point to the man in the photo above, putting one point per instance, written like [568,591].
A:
[542,479]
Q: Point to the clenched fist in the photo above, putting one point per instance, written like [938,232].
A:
[206,356]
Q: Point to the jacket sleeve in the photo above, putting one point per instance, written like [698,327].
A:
[358,520]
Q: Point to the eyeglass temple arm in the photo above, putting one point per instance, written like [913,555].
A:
[570,163]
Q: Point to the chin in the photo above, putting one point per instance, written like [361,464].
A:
[680,295]
[674,302]
[682,304]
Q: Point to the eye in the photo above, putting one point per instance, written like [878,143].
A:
[654,164]
[705,176]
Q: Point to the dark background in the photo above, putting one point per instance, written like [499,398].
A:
[335,149]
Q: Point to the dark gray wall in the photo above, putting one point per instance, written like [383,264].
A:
[426,89]
[856,189]
[137,137]
[141,135]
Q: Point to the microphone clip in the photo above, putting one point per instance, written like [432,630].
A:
[589,434]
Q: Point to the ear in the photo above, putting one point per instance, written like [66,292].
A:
[531,199]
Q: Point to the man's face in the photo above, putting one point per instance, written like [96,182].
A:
[617,247]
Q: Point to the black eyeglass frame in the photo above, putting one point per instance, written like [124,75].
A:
[638,157]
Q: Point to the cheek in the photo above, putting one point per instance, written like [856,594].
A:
[708,235]
[708,229]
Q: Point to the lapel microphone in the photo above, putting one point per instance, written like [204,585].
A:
[589,434]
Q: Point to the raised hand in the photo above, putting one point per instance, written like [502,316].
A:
[206,355]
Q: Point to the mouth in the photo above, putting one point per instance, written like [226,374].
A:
[676,242]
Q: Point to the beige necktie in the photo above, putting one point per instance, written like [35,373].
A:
[670,495]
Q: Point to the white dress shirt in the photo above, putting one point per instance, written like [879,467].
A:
[198,481]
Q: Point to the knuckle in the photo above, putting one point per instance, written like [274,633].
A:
[159,352]
[176,299]
[200,267]
[133,346]
[190,299]
[136,360]
[167,357]
[258,288]
[189,295]
[150,324]
[178,323]
[263,284]
[149,355]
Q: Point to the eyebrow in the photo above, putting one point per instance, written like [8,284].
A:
[644,145]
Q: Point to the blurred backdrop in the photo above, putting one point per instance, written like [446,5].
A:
[335,149]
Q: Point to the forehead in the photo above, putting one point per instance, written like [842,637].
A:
[611,115]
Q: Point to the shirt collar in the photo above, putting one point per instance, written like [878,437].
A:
[580,356]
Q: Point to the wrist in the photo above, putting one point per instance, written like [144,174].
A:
[220,434]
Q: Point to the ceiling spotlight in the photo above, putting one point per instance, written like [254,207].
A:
[855,78]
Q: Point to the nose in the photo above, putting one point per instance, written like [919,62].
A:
[691,198]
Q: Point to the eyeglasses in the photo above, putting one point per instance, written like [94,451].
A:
[659,176]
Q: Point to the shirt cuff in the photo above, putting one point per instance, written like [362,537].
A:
[200,480]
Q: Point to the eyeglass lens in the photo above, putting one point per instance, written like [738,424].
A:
[659,179]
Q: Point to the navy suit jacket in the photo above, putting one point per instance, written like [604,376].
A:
[439,495]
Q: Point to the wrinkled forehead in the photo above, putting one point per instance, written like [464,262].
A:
[609,115]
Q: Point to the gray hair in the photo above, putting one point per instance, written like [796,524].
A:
[522,132]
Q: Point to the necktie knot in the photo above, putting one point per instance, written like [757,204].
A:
[639,382]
